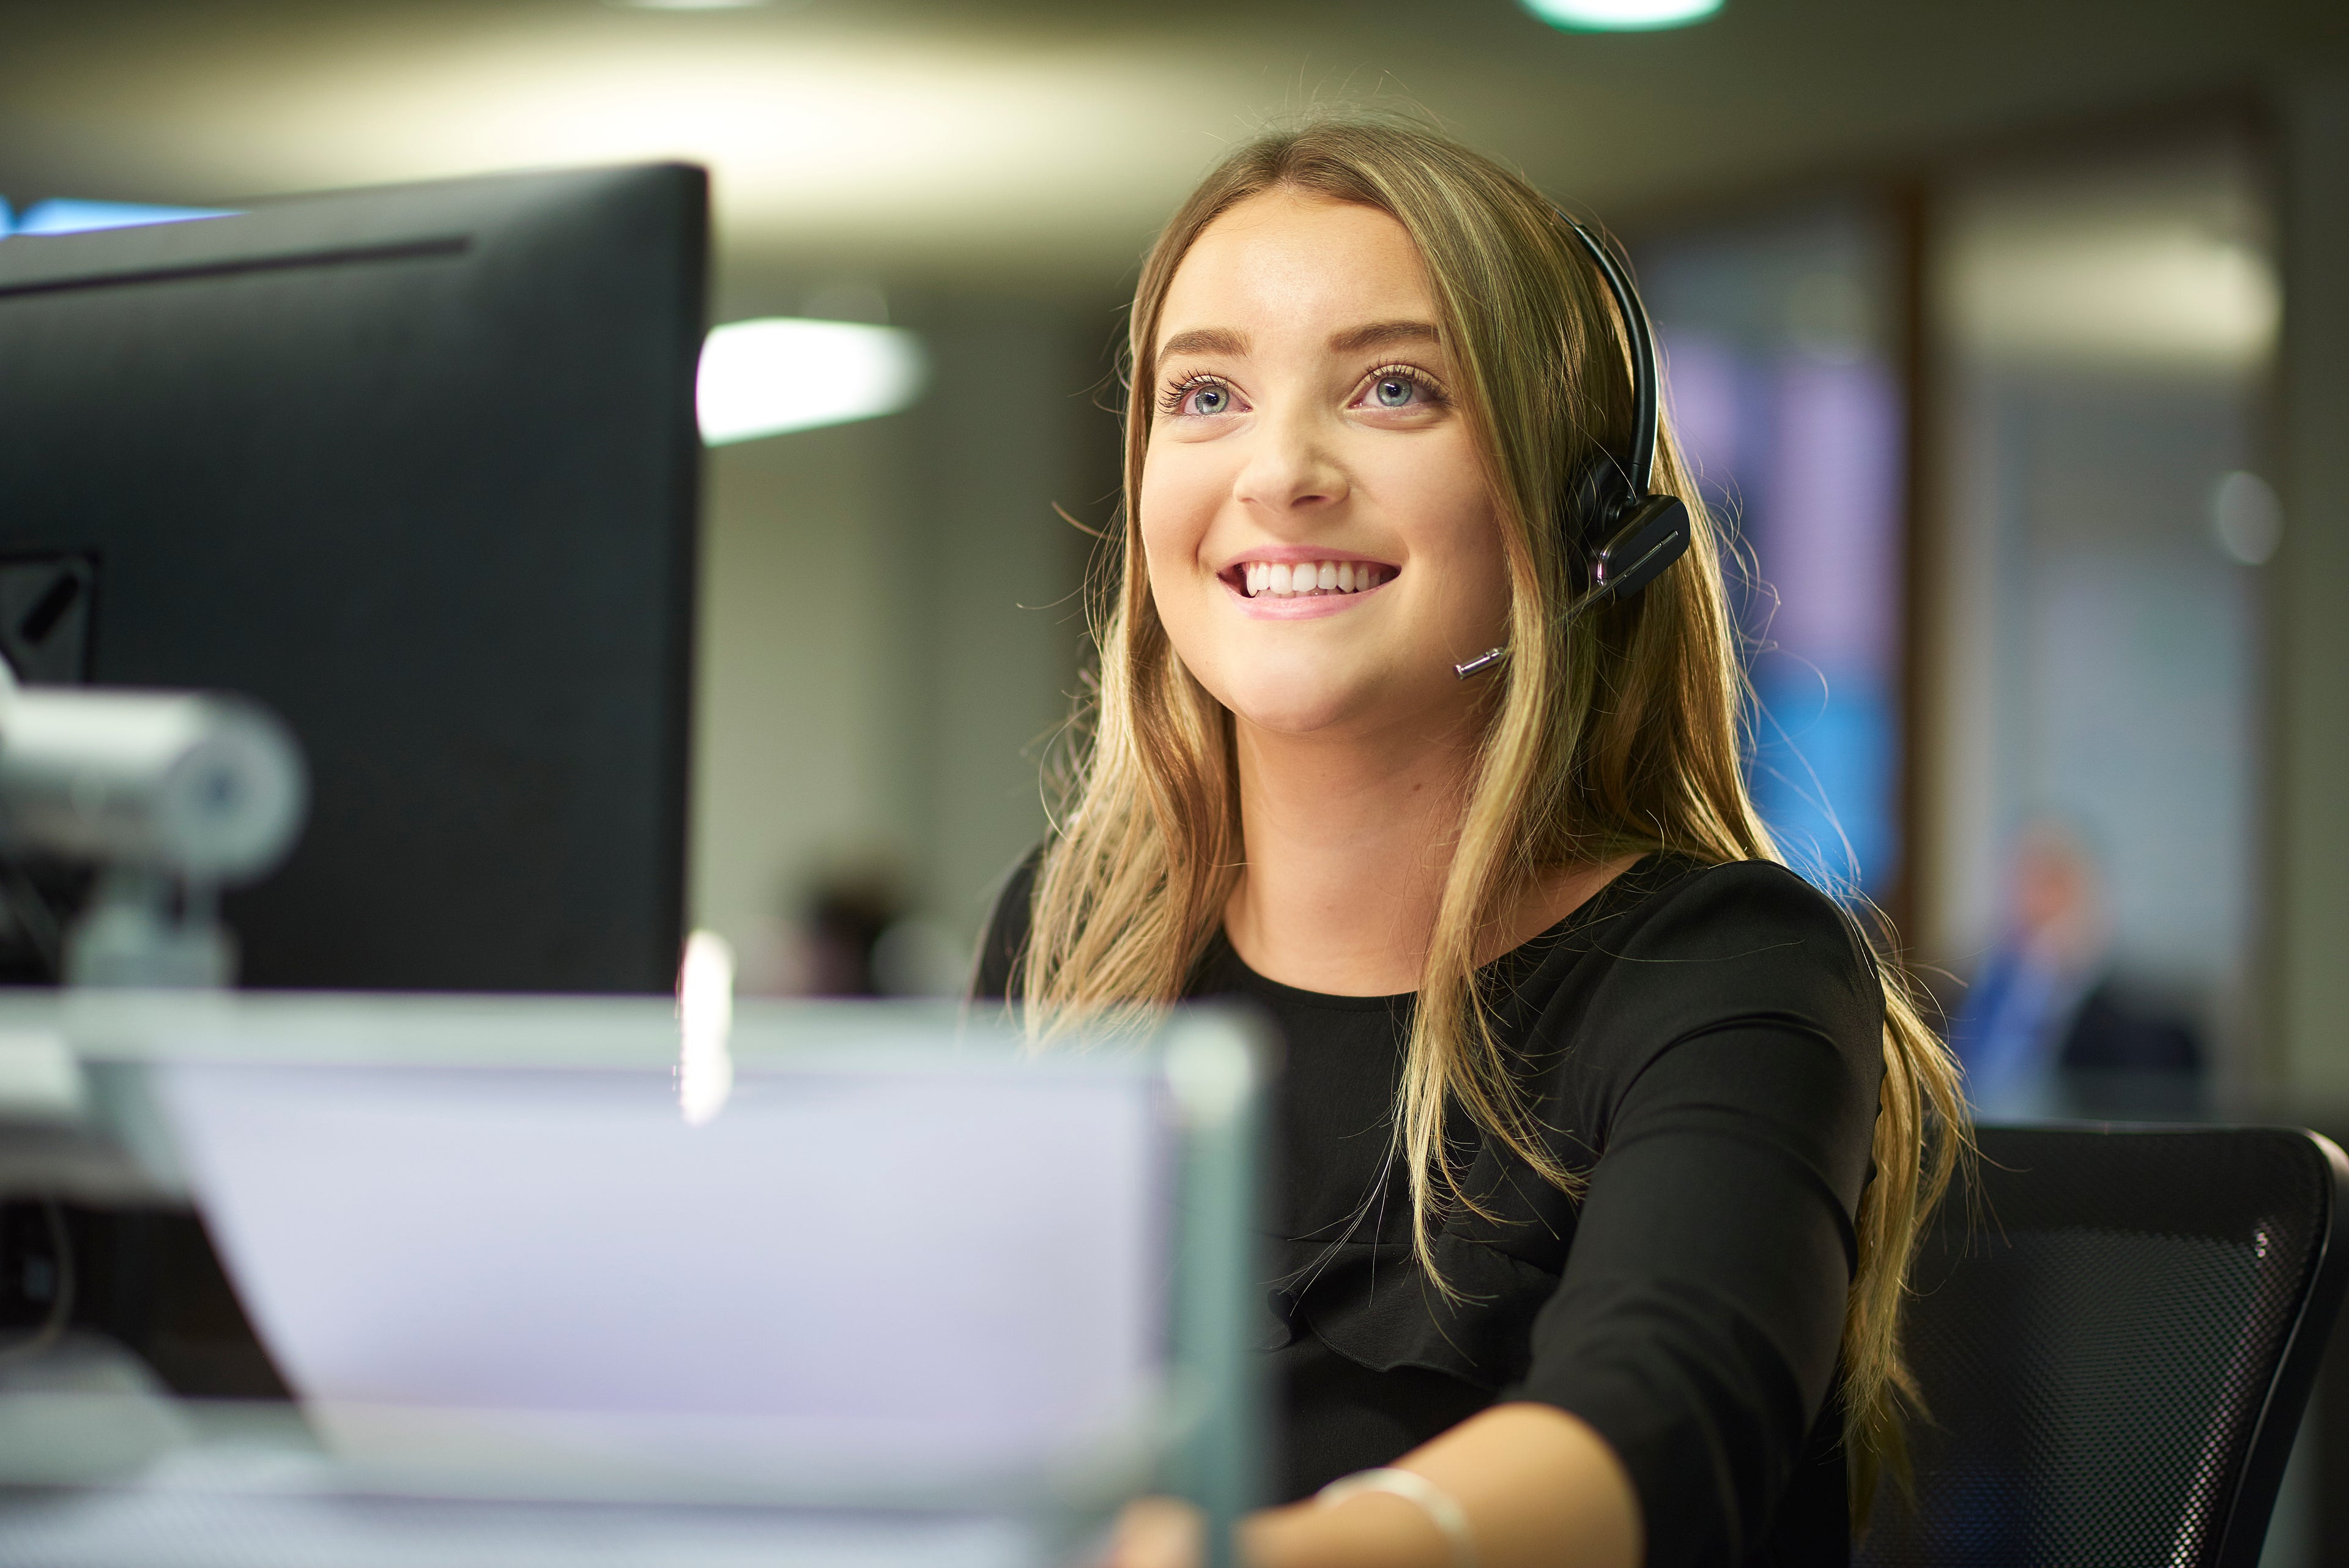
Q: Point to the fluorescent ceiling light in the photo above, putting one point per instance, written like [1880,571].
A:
[1621,15]
[65,215]
[2125,294]
[766,377]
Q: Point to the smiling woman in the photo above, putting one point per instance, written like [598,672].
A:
[1635,1124]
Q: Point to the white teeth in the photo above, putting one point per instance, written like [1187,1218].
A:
[1285,581]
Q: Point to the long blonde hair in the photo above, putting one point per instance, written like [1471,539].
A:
[1619,733]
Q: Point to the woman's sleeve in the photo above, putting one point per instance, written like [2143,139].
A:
[1697,1324]
[995,975]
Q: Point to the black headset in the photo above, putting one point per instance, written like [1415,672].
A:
[1611,517]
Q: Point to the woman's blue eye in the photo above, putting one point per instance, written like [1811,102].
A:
[1393,391]
[1208,400]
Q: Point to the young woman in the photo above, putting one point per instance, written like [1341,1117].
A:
[1602,1139]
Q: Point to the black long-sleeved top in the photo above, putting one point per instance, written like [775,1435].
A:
[1704,1044]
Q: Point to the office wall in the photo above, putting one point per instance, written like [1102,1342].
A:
[2309,815]
[1009,431]
[804,675]
[890,629]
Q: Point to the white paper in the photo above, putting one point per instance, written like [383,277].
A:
[896,1273]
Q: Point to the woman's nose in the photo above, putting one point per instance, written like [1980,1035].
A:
[1290,469]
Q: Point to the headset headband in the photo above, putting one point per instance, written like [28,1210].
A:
[1639,473]
[1631,536]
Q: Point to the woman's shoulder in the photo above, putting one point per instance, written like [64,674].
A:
[1676,947]
[1718,909]
[995,975]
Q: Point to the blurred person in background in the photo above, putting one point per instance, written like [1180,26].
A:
[1603,1138]
[2048,1027]
[844,917]
[849,929]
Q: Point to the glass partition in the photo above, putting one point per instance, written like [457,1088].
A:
[2101,525]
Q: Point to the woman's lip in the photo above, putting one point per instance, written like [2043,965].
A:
[1298,607]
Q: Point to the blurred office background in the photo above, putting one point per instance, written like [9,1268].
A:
[2011,339]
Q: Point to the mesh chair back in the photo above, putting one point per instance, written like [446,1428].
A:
[2115,1333]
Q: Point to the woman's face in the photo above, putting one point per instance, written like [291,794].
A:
[1321,543]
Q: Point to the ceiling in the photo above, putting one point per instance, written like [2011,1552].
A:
[1034,143]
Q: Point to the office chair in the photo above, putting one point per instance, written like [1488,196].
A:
[2115,1331]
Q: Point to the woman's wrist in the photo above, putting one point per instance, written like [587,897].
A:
[1442,1509]
[1371,1529]
[1537,1487]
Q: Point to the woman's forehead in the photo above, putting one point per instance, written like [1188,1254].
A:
[1285,262]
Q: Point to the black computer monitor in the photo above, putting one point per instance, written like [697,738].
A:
[417,467]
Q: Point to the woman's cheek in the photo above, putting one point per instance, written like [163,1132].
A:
[1176,510]
[1175,502]
[1467,536]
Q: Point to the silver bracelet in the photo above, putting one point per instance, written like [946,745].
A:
[1442,1509]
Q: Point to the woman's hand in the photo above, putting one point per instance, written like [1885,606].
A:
[1157,1533]
[1539,1488]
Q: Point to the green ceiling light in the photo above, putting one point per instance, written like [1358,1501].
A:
[1621,16]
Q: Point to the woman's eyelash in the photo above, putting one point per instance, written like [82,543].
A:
[1412,373]
[1169,402]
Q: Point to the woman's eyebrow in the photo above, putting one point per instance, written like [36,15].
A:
[1382,335]
[1204,340]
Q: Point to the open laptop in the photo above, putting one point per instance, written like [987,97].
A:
[871,1284]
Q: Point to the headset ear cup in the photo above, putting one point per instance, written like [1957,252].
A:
[1650,536]
[1592,498]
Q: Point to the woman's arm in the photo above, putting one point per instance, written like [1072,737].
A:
[1538,1487]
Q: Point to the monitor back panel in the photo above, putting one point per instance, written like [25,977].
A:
[417,468]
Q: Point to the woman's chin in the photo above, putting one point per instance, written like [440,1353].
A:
[1302,708]
[1333,692]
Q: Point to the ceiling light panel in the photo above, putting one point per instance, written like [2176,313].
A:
[780,374]
[1621,15]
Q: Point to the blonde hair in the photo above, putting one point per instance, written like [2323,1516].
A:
[1619,733]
